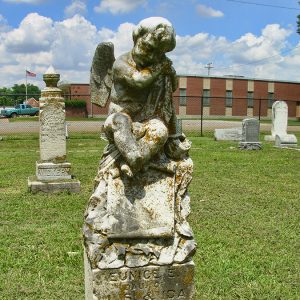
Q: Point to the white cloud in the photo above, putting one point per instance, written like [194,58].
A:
[4,27]
[118,6]
[26,1]
[76,7]
[122,39]
[34,34]
[69,51]
[69,45]
[206,11]
[250,48]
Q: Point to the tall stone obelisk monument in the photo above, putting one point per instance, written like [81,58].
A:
[52,170]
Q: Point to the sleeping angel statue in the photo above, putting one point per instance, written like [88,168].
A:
[139,85]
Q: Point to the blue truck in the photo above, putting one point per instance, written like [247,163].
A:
[20,110]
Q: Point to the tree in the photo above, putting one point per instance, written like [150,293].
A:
[17,94]
[19,91]
[5,97]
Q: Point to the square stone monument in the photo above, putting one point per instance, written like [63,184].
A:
[250,135]
[53,171]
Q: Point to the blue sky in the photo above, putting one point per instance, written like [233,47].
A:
[239,38]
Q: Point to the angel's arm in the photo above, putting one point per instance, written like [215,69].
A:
[126,72]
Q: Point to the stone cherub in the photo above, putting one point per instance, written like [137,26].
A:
[139,85]
[139,221]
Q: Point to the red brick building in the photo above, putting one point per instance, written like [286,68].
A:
[220,96]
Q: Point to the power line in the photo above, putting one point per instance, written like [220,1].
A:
[208,67]
[263,4]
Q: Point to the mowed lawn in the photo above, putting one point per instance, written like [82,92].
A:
[245,217]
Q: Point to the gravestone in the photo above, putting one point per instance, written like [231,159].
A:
[279,126]
[287,140]
[279,120]
[137,241]
[53,171]
[250,135]
[228,134]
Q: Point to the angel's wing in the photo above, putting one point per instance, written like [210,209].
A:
[101,73]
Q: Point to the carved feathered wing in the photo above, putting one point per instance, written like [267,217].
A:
[101,73]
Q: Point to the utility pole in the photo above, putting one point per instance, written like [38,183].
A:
[208,67]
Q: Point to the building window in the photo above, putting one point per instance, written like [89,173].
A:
[270,100]
[250,100]
[182,93]
[206,97]
[228,101]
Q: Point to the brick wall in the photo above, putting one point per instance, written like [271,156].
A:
[240,90]
[217,89]
[291,91]
[260,92]
[194,91]
[194,87]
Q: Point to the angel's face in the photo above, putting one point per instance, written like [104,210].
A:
[146,51]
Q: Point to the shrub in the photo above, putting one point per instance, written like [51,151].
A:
[76,103]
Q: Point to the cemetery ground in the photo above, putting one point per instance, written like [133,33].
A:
[245,217]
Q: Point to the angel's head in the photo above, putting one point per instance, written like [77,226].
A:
[152,38]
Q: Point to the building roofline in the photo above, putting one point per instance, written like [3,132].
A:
[238,78]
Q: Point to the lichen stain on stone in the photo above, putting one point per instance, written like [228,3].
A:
[60,158]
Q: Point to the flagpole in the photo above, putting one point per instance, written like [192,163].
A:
[26,85]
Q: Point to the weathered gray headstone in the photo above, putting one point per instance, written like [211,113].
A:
[228,134]
[250,135]
[137,240]
[53,172]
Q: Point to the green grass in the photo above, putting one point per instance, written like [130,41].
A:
[245,217]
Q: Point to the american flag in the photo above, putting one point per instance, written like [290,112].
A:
[31,74]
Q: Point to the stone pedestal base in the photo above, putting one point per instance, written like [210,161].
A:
[288,140]
[250,145]
[47,171]
[70,185]
[150,282]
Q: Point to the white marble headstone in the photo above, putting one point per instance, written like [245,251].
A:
[279,118]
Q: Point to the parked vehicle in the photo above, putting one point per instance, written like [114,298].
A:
[20,110]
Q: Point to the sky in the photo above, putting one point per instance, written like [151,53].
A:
[251,38]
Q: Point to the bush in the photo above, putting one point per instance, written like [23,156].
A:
[76,103]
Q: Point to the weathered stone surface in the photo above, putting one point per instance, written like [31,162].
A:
[142,208]
[148,282]
[36,186]
[250,135]
[286,140]
[52,170]
[228,134]
[52,130]
[46,171]
[279,126]
[279,120]
[137,239]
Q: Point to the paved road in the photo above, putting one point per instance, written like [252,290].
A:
[7,127]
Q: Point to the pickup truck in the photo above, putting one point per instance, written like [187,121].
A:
[20,110]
